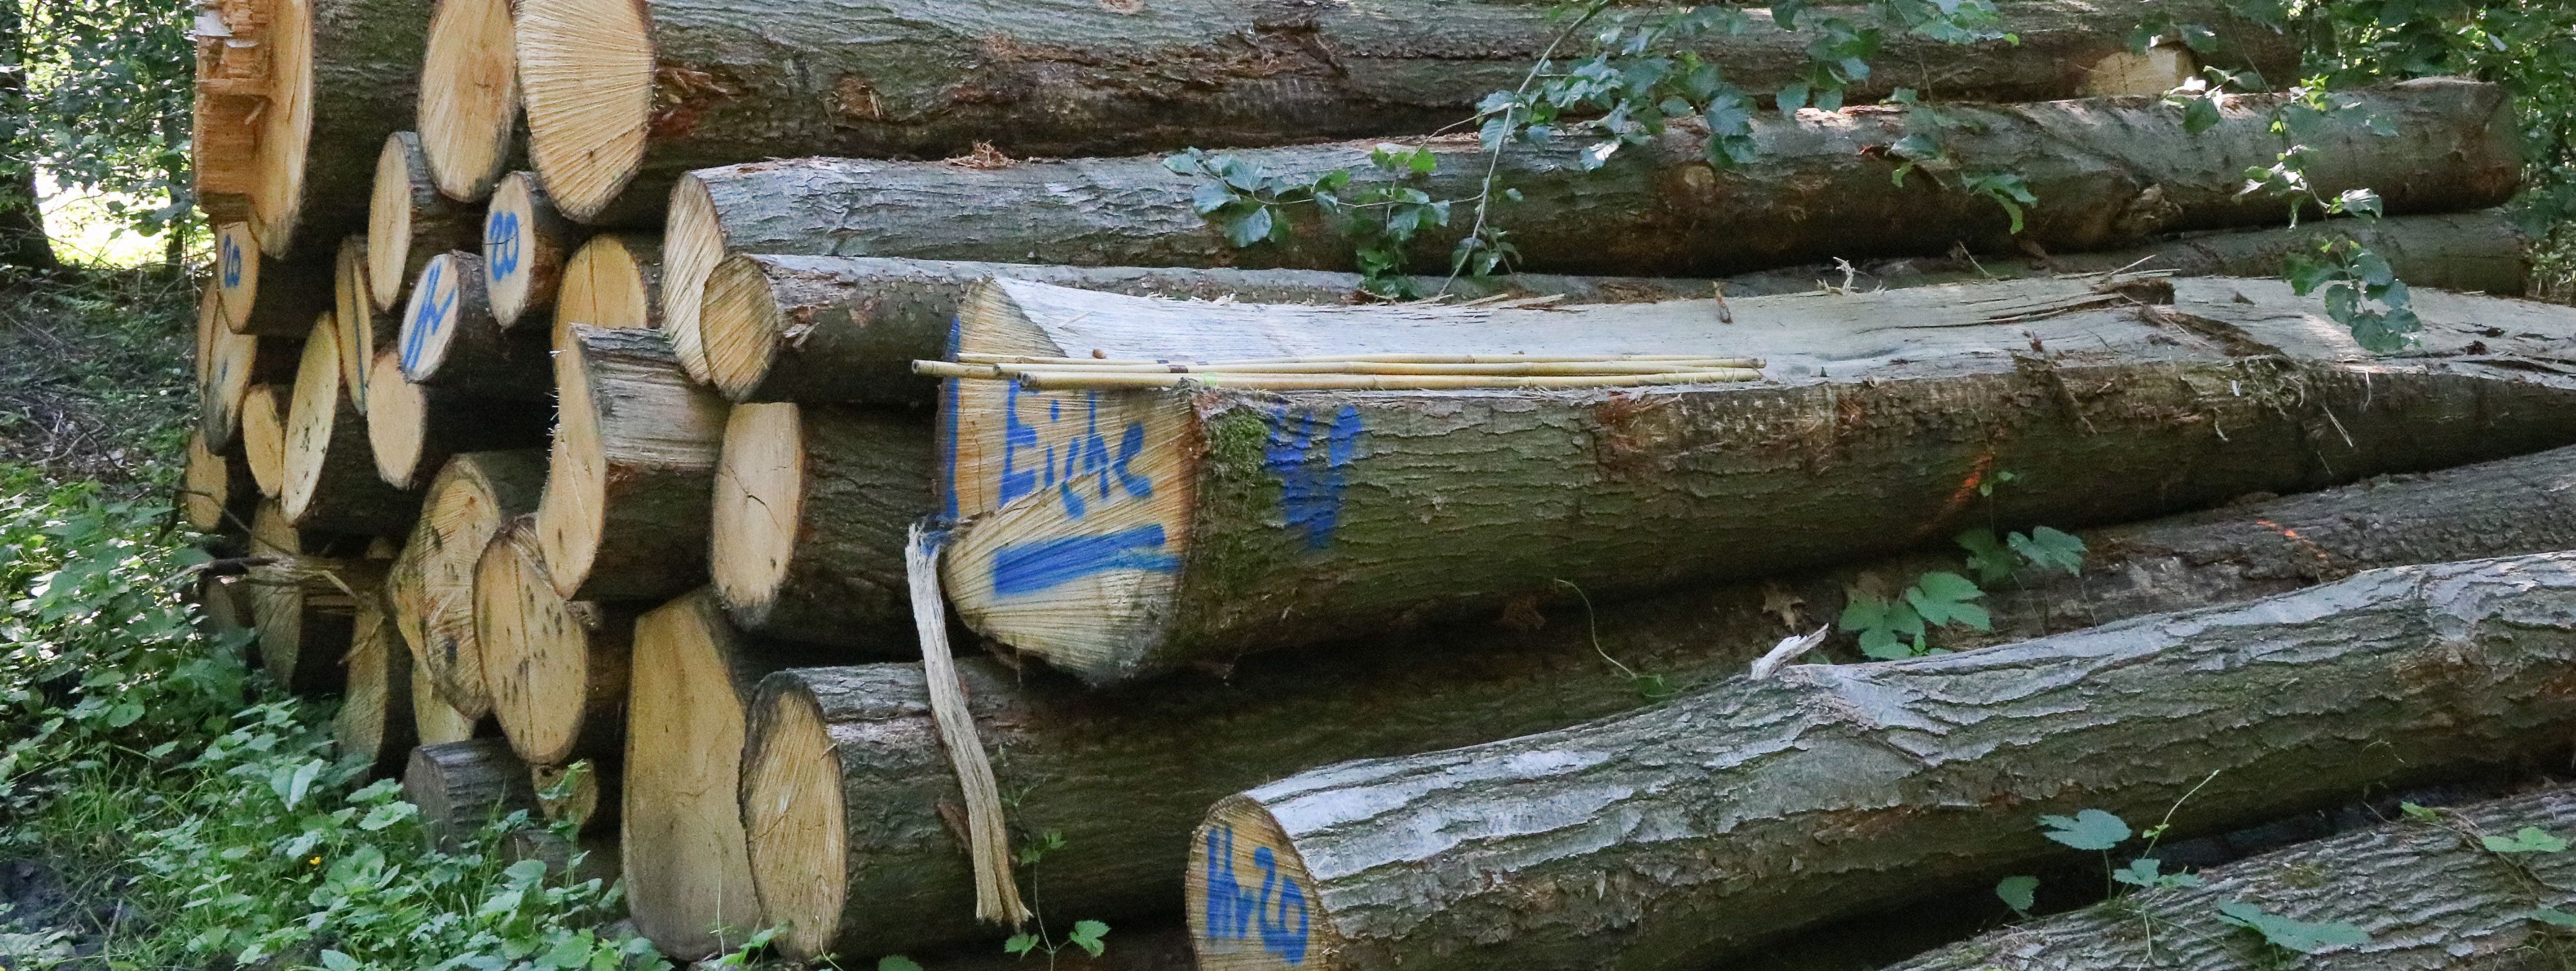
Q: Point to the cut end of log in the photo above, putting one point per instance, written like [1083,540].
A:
[688,873]
[792,809]
[472,498]
[263,437]
[607,283]
[205,487]
[433,719]
[311,416]
[469,95]
[2162,67]
[397,423]
[537,649]
[1251,903]
[693,243]
[739,327]
[353,313]
[232,93]
[237,273]
[571,514]
[429,320]
[285,126]
[225,361]
[375,719]
[401,169]
[463,786]
[760,498]
[586,73]
[521,265]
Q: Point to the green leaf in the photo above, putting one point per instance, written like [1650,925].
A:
[1211,197]
[2289,934]
[2200,115]
[896,962]
[337,961]
[2529,839]
[387,815]
[2019,893]
[1987,557]
[1020,944]
[2045,548]
[2090,829]
[1944,598]
[1087,934]
[1793,95]
[2419,813]
[1249,228]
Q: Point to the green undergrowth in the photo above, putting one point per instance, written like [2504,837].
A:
[95,370]
[200,817]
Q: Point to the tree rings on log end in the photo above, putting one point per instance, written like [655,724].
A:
[285,128]
[612,281]
[472,498]
[525,245]
[216,491]
[586,75]
[312,414]
[375,719]
[760,499]
[1251,903]
[688,872]
[739,328]
[397,428]
[469,96]
[693,243]
[434,721]
[263,437]
[792,809]
[556,669]
[353,317]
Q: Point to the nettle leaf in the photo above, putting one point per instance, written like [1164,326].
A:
[2045,547]
[1087,935]
[1987,557]
[2018,893]
[2090,829]
[2288,934]
[1945,598]
[2529,839]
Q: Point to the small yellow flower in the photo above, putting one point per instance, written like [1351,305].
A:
[316,861]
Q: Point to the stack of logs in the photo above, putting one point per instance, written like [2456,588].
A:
[573,438]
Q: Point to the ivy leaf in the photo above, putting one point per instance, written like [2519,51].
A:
[1793,95]
[1211,196]
[2045,547]
[2091,829]
[2018,893]
[2529,839]
[2288,934]
[1252,227]
[1945,598]
[1987,557]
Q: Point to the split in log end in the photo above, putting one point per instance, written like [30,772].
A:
[586,72]
[469,97]
[693,244]
[760,499]
[353,313]
[739,328]
[1250,901]
[792,809]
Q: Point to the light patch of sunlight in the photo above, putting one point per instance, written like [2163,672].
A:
[86,230]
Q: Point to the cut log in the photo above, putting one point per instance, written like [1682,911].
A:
[433,720]
[228,364]
[450,338]
[340,76]
[353,317]
[462,787]
[688,878]
[899,879]
[2108,173]
[614,280]
[525,245]
[2425,893]
[409,220]
[583,793]
[469,98]
[1677,822]
[414,428]
[263,435]
[1187,527]
[811,507]
[223,137]
[305,602]
[556,668]
[267,295]
[330,467]
[631,479]
[622,97]
[216,494]
[432,584]
[224,609]
[375,722]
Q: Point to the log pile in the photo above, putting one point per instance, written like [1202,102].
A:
[620,467]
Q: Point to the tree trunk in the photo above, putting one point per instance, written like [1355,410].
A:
[1079,79]
[216,494]
[228,364]
[305,603]
[2427,894]
[415,428]
[266,295]
[375,720]
[1875,783]
[556,669]
[847,328]
[2108,173]
[469,98]
[342,75]
[330,468]
[1189,527]
[450,338]
[903,882]
[811,507]
[263,435]
[632,477]
[614,280]
[462,786]
[353,317]
[688,881]
[409,221]
[525,245]
[432,584]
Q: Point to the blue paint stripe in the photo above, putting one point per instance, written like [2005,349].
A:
[1026,568]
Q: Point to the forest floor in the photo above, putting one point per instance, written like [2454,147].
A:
[95,372]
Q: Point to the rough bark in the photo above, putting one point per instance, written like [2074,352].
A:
[411,222]
[556,669]
[415,428]
[1678,822]
[2426,892]
[216,494]
[375,721]
[330,469]
[811,507]
[324,125]
[1076,751]
[1220,522]
[462,786]
[526,242]
[267,295]
[2108,173]
[1082,79]
[304,602]
[631,479]
[23,242]
[432,582]
[450,338]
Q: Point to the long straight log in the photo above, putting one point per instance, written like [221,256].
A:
[450,338]
[330,468]
[414,428]
[852,853]
[228,364]
[525,245]
[1458,859]
[334,78]
[305,601]
[811,507]
[409,220]
[556,669]
[2427,894]
[631,478]
[846,328]
[1193,526]
[375,721]
[353,316]
[2108,173]
[469,98]
[621,98]
[271,296]
[432,583]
